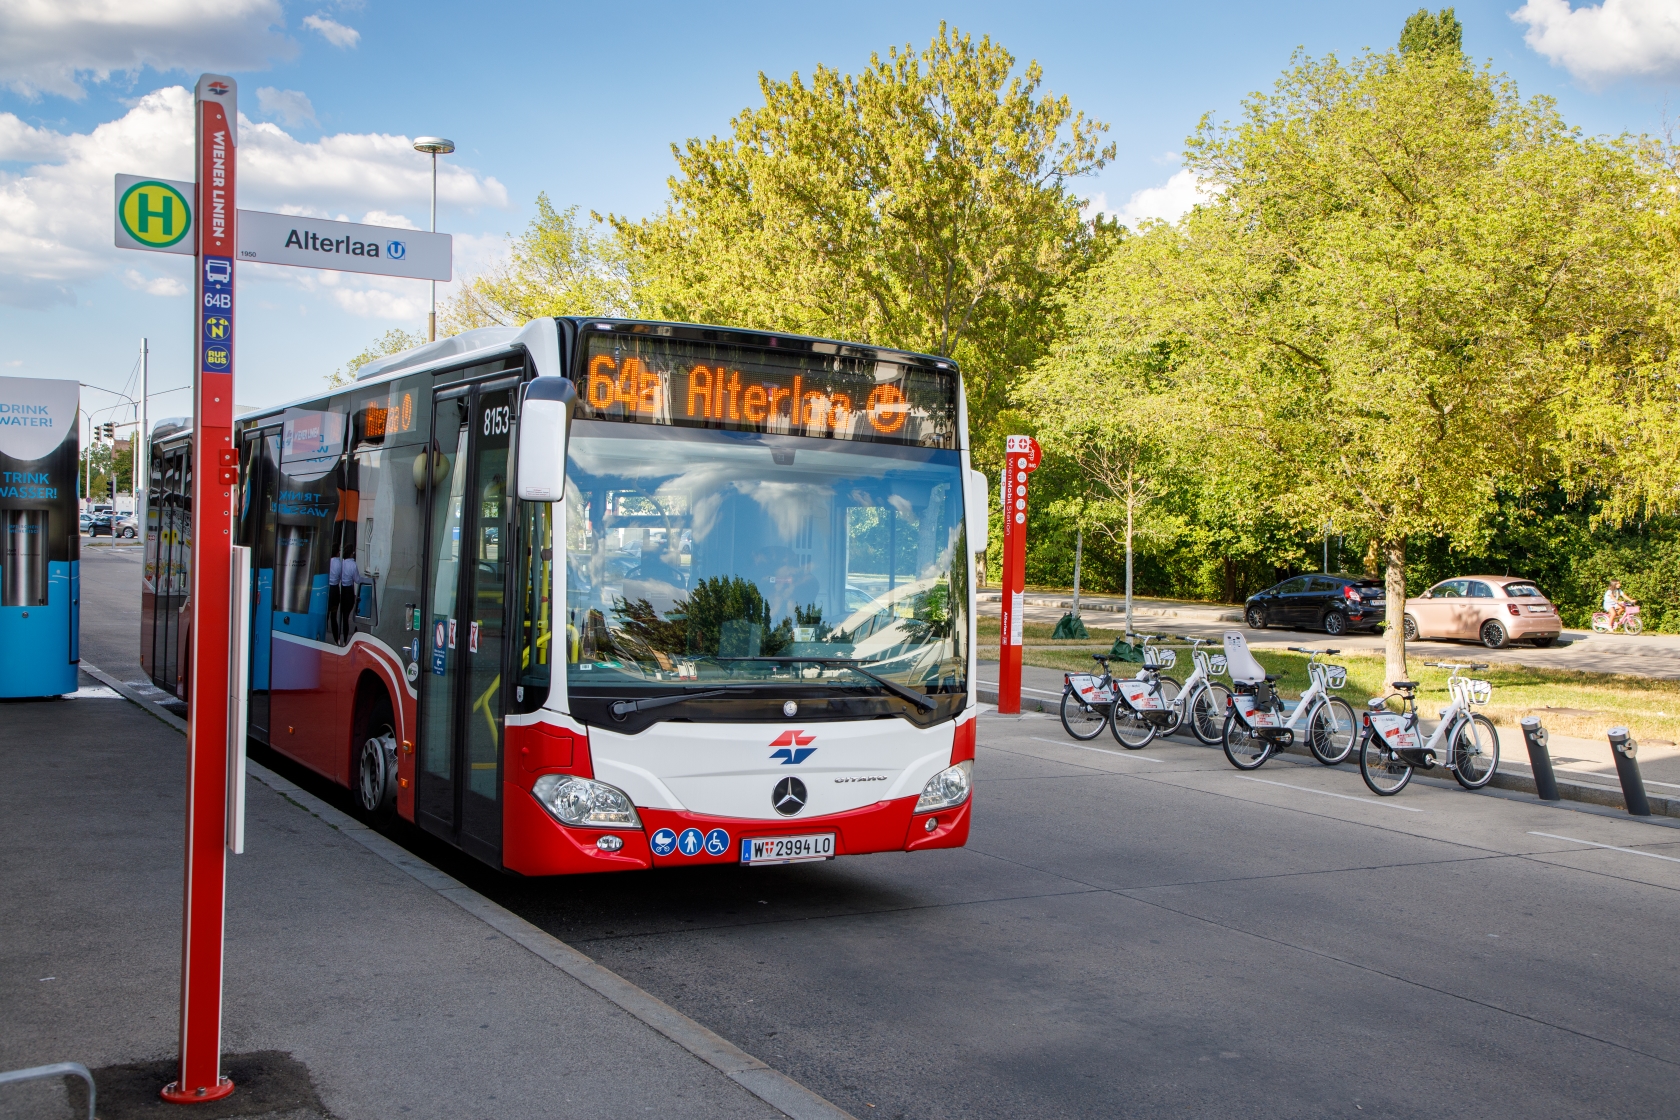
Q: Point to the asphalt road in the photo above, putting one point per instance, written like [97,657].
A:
[1153,934]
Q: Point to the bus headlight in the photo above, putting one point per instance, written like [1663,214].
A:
[585,803]
[947,788]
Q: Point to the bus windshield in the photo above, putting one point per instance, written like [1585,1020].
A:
[699,558]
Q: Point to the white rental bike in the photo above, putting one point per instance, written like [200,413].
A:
[1465,740]
[1146,705]
[1204,700]
[1257,726]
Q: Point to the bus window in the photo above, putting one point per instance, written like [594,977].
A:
[536,611]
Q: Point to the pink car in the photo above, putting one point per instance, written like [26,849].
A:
[1493,610]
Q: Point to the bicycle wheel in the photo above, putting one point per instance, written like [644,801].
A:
[1081,720]
[1130,730]
[1330,731]
[1475,752]
[1385,776]
[1207,712]
[1633,626]
[1245,749]
[1170,689]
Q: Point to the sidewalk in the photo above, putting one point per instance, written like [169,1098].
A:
[360,982]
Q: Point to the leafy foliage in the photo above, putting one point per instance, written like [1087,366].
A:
[922,204]
[558,266]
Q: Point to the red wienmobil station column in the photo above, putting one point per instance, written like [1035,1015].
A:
[1021,458]
[215,476]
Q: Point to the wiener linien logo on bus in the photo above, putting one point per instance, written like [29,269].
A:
[154,214]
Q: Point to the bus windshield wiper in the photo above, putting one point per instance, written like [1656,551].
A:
[917,698]
[622,708]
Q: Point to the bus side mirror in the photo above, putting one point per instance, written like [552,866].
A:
[545,421]
[977,508]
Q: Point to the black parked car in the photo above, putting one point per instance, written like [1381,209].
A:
[1334,604]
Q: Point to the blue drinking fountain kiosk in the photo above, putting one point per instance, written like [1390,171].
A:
[40,539]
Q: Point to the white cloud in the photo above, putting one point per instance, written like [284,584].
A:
[1615,39]
[55,216]
[289,106]
[332,31]
[1168,202]
[153,285]
[51,46]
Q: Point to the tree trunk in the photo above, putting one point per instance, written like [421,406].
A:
[1078,555]
[1394,636]
[1129,504]
[1230,580]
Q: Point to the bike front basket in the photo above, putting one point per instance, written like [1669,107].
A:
[1335,676]
[1216,665]
[1160,658]
[1480,692]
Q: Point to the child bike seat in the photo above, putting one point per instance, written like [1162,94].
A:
[1240,663]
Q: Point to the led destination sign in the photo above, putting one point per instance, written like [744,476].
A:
[657,380]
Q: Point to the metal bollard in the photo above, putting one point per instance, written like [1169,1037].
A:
[1624,748]
[1540,759]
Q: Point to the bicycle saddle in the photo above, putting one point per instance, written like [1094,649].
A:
[1405,686]
[1101,659]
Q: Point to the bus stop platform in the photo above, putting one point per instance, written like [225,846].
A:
[360,981]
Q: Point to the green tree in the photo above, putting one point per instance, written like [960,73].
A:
[1427,33]
[558,266]
[924,203]
[1405,276]
[393,341]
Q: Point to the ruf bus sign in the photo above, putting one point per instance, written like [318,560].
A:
[1021,458]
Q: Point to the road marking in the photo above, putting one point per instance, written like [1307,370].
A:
[1100,750]
[1611,847]
[1024,688]
[1669,785]
[1327,793]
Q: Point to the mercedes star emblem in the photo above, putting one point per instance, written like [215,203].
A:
[789,796]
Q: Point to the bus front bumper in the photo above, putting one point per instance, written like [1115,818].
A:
[534,843]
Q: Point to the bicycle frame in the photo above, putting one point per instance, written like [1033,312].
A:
[1275,724]
[1400,733]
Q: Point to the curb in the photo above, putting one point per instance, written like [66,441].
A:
[1206,614]
[1662,805]
[769,1085]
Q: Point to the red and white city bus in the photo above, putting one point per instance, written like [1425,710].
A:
[595,595]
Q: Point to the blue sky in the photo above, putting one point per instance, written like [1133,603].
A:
[583,101]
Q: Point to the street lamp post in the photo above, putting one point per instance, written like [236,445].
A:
[434,146]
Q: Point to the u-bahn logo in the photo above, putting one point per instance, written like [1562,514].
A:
[154,214]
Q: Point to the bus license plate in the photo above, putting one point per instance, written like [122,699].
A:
[788,849]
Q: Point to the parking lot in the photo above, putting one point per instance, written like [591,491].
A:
[1152,933]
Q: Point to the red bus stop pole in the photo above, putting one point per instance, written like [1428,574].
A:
[215,476]
[1021,457]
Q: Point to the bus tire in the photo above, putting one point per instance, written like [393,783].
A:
[373,770]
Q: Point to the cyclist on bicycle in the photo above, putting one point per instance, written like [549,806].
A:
[1616,603]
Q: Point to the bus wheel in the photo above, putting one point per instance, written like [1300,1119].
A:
[376,777]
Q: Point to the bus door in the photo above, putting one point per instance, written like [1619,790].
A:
[463,632]
[257,531]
